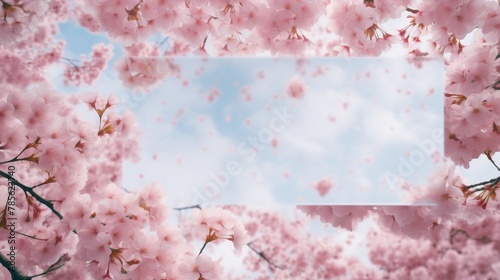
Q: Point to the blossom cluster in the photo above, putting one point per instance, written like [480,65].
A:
[71,210]
[89,70]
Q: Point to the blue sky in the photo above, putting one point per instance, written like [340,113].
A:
[368,139]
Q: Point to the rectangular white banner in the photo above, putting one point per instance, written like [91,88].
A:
[287,130]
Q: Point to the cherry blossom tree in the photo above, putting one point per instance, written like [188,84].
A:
[64,210]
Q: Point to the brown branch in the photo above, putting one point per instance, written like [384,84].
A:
[494,86]
[187,207]
[30,191]
[488,155]
[454,232]
[72,62]
[497,179]
[58,264]
[414,11]
[14,272]
[162,42]
[272,265]
[31,158]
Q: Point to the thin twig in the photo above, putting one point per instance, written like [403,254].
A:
[272,265]
[414,11]
[494,86]
[497,179]
[187,207]
[14,272]
[488,155]
[162,42]
[454,232]
[58,264]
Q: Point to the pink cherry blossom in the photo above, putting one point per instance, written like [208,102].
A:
[217,223]
[324,186]
[19,19]
[201,267]
[347,217]
[296,88]
[90,70]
